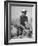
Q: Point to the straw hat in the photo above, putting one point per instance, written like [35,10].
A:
[24,11]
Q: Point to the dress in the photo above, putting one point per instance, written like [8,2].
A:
[23,18]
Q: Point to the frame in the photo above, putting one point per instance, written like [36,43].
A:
[7,23]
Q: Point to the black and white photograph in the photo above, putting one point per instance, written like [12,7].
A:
[20,22]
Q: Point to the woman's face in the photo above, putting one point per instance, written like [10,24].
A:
[26,22]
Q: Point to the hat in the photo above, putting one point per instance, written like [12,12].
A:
[24,12]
